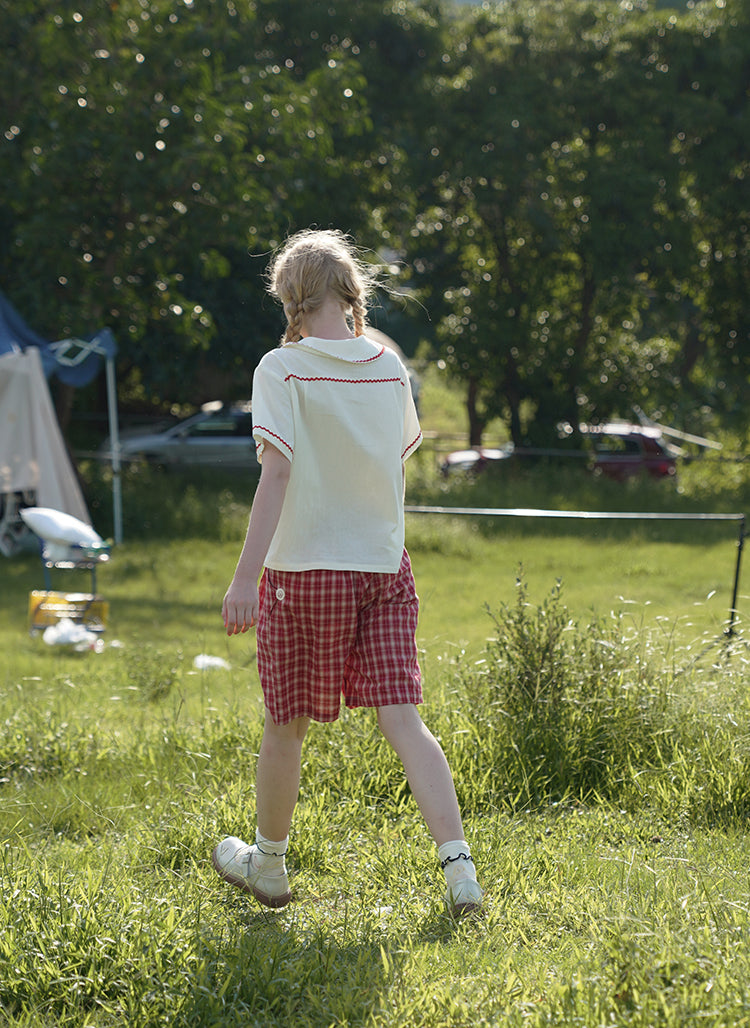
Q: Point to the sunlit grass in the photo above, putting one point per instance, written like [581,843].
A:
[111,913]
[597,732]
[684,589]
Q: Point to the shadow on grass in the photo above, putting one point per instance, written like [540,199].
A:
[316,963]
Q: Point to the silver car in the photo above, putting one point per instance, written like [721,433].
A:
[220,435]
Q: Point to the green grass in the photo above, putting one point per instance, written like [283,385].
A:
[599,920]
[167,594]
[625,903]
[604,773]
[597,732]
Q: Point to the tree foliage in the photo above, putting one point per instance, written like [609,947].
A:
[568,222]
[154,147]
[564,186]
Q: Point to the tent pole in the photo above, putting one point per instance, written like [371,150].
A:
[114,435]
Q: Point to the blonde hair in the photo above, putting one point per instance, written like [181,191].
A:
[310,265]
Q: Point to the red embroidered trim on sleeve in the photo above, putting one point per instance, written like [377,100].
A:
[283,442]
[411,445]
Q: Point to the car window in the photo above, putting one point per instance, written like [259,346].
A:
[652,446]
[217,426]
[222,425]
[617,444]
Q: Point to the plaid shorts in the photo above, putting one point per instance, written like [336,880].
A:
[325,633]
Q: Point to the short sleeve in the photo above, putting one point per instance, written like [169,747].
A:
[273,420]
[412,434]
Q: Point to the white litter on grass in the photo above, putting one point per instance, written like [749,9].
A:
[71,633]
[205,662]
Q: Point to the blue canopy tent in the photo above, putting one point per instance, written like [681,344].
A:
[73,361]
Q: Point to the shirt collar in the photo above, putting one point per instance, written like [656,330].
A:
[359,350]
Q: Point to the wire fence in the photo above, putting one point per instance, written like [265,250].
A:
[606,515]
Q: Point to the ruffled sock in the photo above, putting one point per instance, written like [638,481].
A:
[456,862]
[269,855]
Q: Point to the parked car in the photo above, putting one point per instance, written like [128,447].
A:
[623,450]
[220,435]
[474,461]
[619,451]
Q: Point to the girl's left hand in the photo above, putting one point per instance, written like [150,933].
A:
[240,607]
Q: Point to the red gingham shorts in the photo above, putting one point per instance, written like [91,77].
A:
[325,633]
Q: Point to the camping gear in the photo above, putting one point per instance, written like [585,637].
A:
[34,463]
[33,457]
[48,608]
[66,543]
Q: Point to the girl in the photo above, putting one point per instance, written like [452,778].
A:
[336,609]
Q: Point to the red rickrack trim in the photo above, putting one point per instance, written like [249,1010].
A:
[411,445]
[346,381]
[366,360]
[275,435]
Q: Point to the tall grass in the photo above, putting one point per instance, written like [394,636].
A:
[600,752]
[601,713]
[604,783]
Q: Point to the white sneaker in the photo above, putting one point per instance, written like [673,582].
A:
[241,865]
[465,897]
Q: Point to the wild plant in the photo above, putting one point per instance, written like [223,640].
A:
[569,711]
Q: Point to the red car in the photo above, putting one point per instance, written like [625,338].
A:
[622,450]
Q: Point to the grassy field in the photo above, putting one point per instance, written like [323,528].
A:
[597,731]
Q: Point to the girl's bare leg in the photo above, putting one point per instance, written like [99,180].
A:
[426,768]
[278,775]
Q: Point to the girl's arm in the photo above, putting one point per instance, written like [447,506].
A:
[240,607]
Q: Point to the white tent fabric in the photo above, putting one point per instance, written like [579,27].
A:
[32,451]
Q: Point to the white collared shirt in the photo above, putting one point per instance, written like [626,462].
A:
[342,412]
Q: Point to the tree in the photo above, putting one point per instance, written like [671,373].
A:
[157,147]
[567,183]
[560,220]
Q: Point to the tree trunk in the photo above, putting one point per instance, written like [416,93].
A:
[476,422]
[586,320]
[515,421]
[512,395]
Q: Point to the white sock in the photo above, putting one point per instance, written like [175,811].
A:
[272,853]
[456,862]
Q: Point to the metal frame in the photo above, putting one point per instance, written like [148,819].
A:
[602,515]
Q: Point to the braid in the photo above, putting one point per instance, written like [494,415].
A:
[313,264]
[294,312]
[359,313]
